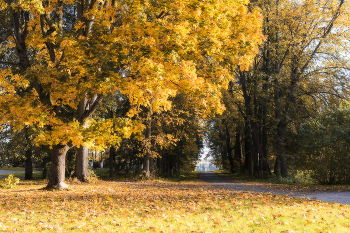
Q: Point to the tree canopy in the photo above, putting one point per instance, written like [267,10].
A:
[63,57]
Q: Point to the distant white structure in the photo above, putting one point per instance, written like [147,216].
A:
[205,165]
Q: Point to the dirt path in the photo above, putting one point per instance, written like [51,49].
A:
[217,181]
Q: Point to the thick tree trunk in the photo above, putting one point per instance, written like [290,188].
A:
[28,174]
[57,170]
[82,164]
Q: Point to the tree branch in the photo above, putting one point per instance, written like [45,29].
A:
[92,108]
[11,64]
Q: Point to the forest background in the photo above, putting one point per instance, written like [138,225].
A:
[264,83]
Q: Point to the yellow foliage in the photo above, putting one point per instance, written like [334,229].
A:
[149,51]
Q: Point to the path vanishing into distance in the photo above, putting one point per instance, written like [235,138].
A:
[220,182]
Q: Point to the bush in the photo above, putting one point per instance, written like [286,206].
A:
[324,145]
[9,182]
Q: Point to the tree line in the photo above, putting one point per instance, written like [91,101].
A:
[299,77]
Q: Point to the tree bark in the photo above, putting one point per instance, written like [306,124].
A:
[238,153]
[112,152]
[44,167]
[57,170]
[281,162]
[147,158]
[248,149]
[265,164]
[28,173]
[82,164]
[229,150]
[29,165]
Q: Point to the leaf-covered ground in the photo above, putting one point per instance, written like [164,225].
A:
[160,206]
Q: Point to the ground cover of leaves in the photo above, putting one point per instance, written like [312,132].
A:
[162,206]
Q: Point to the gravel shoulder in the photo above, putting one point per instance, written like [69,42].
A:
[219,182]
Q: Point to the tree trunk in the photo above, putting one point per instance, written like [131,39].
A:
[171,166]
[57,170]
[248,150]
[82,164]
[44,167]
[147,158]
[238,154]
[265,164]
[281,162]
[28,173]
[229,150]
[29,165]
[112,152]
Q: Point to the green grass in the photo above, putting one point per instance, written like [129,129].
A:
[12,168]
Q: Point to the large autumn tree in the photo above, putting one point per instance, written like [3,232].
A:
[65,56]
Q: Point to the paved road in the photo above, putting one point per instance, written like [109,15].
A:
[215,180]
[3,173]
[8,172]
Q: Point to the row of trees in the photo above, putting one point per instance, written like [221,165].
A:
[301,68]
[60,60]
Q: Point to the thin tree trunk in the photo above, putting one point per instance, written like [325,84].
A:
[248,149]
[29,165]
[45,167]
[57,170]
[229,150]
[28,173]
[265,164]
[238,154]
[112,153]
[171,166]
[147,157]
[281,162]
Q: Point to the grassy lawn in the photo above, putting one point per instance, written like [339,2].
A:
[12,168]
[162,206]
[297,183]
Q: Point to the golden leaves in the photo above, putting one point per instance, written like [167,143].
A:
[148,51]
[163,206]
